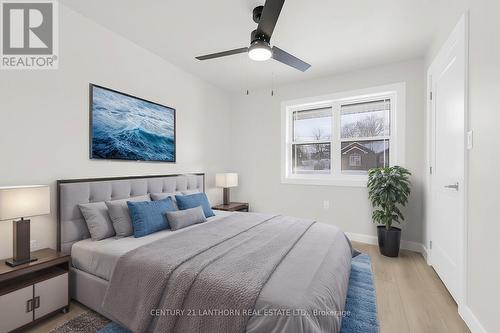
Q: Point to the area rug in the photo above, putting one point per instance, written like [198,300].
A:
[361,303]
[87,322]
[360,309]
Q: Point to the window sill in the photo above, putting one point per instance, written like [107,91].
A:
[346,181]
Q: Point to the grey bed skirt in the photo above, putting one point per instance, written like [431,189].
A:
[87,289]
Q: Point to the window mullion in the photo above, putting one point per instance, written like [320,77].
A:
[374,138]
[335,145]
[310,142]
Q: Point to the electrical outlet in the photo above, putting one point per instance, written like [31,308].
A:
[33,244]
[326,204]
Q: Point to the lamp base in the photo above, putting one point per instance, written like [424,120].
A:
[21,243]
[226,199]
[13,263]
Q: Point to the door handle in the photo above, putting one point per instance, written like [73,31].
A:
[454,186]
[29,306]
[37,302]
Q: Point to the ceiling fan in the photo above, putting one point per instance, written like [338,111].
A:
[260,50]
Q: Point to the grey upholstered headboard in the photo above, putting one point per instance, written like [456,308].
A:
[71,225]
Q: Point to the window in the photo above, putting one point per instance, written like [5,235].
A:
[336,139]
[311,142]
[365,135]
[355,160]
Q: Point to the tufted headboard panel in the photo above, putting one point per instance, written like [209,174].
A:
[71,225]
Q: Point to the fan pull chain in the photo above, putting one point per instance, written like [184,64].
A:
[272,84]
[247,92]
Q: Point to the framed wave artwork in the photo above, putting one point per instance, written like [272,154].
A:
[124,127]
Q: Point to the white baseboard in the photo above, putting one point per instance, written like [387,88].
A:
[470,319]
[406,245]
[362,238]
[416,247]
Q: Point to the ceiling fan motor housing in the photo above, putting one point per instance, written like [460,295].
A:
[257,13]
[255,36]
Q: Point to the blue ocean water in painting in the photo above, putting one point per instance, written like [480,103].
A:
[127,128]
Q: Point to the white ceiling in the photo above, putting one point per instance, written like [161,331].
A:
[333,35]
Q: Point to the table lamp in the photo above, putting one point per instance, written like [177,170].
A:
[226,181]
[19,202]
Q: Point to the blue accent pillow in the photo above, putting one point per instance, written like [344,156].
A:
[149,216]
[194,200]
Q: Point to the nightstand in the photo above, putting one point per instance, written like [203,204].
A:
[33,291]
[233,207]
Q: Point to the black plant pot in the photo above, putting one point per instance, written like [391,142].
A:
[389,240]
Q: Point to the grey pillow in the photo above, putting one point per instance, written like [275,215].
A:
[120,217]
[97,219]
[161,196]
[188,192]
[184,218]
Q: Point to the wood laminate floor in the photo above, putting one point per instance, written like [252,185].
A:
[410,297]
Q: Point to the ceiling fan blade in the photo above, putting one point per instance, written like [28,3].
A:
[223,54]
[269,17]
[290,60]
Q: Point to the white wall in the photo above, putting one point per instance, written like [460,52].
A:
[44,116]
[483,271]
[256,130]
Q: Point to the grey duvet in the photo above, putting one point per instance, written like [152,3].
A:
[243,273]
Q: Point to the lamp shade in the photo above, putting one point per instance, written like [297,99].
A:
[24,201]
[226,180]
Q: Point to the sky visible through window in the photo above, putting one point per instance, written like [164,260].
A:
[313,129]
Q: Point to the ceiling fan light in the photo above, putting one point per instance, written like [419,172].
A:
[260,51]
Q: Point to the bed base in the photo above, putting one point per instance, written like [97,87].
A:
[88,289]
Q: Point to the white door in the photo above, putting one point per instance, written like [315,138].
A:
[51,295]
[448,81]
[16,309]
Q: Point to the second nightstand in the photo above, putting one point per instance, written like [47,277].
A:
[233,207]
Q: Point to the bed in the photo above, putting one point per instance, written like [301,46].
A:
[238,272]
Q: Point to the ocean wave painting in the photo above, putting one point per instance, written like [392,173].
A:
[128,128]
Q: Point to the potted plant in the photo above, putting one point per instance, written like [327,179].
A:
[388,189]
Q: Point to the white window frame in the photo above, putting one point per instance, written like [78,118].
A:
[395,92]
